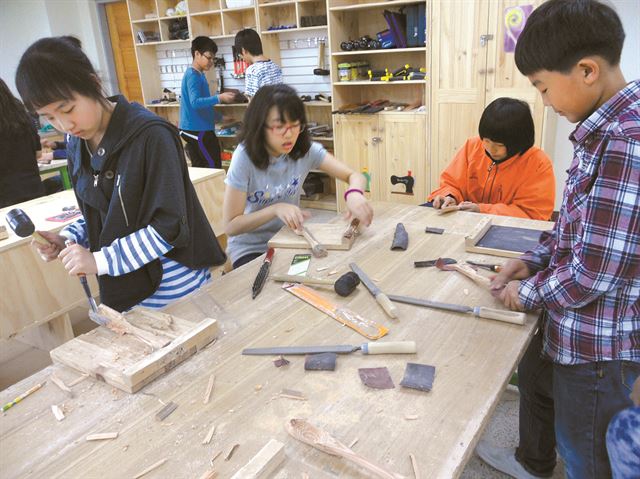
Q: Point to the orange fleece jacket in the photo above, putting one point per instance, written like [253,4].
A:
[521,186]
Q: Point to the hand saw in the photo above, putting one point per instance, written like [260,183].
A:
[366,327]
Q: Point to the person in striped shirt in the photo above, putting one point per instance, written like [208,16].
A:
[261,70]
[143,230]
[584,274]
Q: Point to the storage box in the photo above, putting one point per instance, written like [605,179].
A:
[239,3]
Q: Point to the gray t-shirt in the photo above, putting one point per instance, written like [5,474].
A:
[281,182]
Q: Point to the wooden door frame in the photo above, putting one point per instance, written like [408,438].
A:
[113,86]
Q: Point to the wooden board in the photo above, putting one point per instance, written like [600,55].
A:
[497,240]
[328,235]
[128,363]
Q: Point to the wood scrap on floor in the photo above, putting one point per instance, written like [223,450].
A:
[150,468]
[209,436]
[163,413]
[264,463]
[207,394]
[101,436]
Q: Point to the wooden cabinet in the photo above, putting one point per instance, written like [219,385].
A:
[470,69]
[385,145]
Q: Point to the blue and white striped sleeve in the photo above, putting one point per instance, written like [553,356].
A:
[77,231]
[132,252]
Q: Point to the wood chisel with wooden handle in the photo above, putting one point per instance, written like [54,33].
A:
[388,347]
[381,298]
[479,311]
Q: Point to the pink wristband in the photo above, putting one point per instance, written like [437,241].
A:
[352,190]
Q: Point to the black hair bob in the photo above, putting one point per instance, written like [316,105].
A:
[202,45]
[54,69]
[508,121]
[249,40]
[561,32]
[290,108]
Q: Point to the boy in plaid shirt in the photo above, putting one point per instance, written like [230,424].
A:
[585,274]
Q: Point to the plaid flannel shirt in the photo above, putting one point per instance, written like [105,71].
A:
[586,271]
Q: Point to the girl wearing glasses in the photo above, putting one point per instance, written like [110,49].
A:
[143,231]
[268,169]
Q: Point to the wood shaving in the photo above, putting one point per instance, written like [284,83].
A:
[353,443]
[209,435]
[411,417]
[231,451]
[57,412]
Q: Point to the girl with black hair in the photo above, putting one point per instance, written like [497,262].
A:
[143,231]
[500,172]
[268,169]
[19,151]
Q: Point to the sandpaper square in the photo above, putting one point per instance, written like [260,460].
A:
[418,376]
[320,362]
[377,378]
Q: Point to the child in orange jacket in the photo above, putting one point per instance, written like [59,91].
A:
[500,172]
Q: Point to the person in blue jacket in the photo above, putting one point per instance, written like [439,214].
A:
[143,231]
[197,117]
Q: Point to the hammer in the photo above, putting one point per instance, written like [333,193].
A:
[21,224]
[344,285]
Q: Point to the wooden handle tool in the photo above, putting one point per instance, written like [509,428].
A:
[464,269]
[291,278]
[315,437]
[317,249]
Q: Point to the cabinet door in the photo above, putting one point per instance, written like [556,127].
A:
[402,153]
[459,63]
[356,143]
[503,77]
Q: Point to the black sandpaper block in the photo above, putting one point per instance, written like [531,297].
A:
[418,376]
[320,362]
[435,231]
[376,378]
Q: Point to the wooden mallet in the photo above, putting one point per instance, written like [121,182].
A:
[21,224]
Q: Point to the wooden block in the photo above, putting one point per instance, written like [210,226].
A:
[126,363]
[57,412]
[3,232]
[101,436]
[329,235]
[264,463]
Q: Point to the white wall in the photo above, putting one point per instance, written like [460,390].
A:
[22,22]
[629,12]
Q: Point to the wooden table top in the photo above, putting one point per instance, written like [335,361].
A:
[474,359]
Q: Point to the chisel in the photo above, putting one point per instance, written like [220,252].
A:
[479,311]
[380,297]
[84,283]
[389,347]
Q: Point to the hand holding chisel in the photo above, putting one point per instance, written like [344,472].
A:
[84,283]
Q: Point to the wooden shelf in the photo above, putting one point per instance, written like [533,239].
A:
[145,20]
[374,52]
[326,202]
[322,138]
[172,17]
[366,6]
[208,12]
[277,4]
[298,29]
[239,9]
[379,83]
[317,103]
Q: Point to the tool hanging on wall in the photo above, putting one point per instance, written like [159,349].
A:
[321,70]
[239,65]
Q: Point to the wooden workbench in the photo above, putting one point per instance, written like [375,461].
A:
[474,359]
[36,293]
